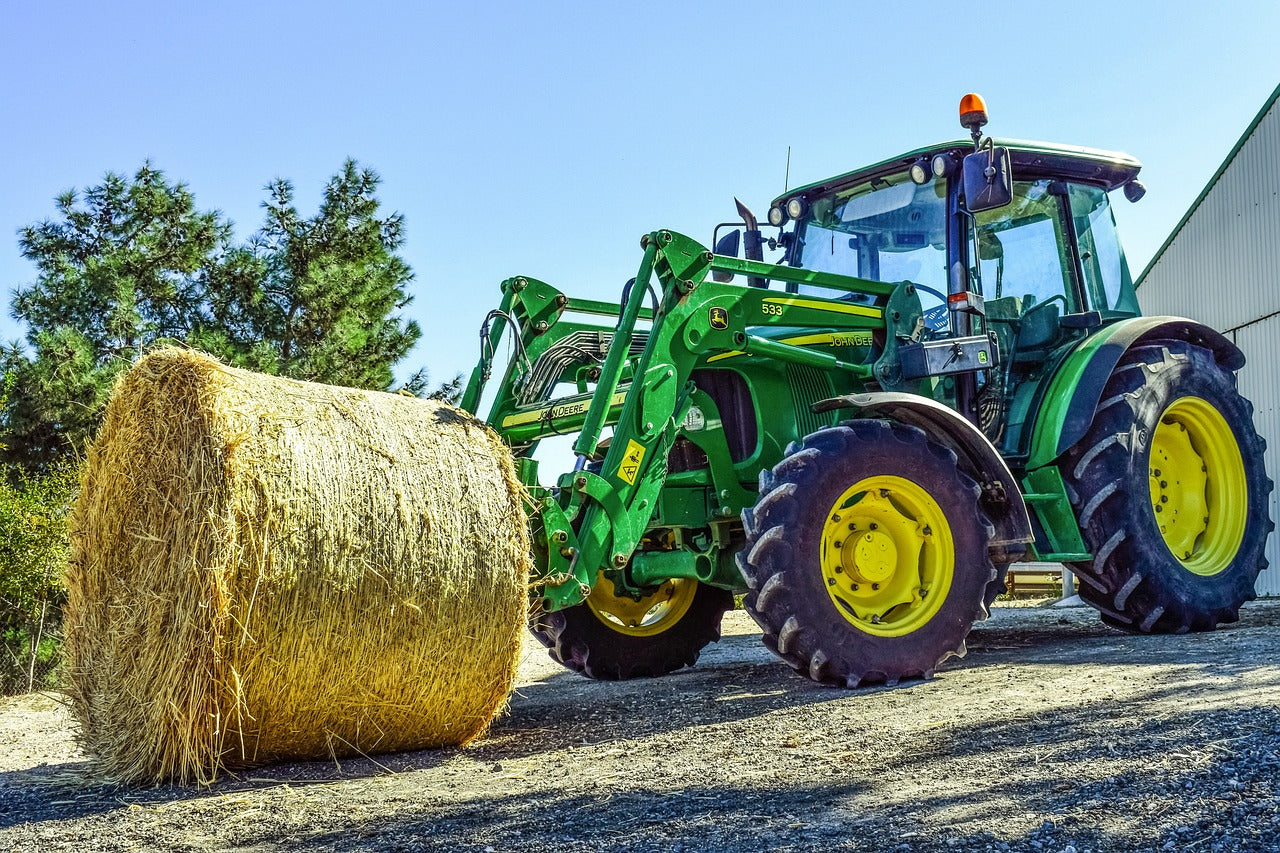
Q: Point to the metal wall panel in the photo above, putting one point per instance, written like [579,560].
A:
[1259,380]
[1223,267]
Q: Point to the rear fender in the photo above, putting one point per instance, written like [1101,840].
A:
[1076,389]
[1001,498]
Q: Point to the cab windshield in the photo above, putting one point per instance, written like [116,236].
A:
[887,229]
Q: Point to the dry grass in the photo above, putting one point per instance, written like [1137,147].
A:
[266,569]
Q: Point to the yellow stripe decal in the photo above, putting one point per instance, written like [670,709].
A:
[835,339]
[837,307]
[557,411]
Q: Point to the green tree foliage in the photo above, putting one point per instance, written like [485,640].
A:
[120,268]
[315,298]
[132,263]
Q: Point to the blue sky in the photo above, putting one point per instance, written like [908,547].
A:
[544,139]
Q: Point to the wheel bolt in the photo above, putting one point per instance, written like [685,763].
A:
[1159,508]
[853,526]
[875,586]
[835,518]
[831,581]
[839,569]
[875,526]
[1164,499]
[1164,484]
[839,544]
[855,587]
[928,531]
[1157,472]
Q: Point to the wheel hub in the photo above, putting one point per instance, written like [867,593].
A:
[873,557]
[1199,494]
[887,555]
[644,617]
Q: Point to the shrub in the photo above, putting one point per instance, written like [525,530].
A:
[33,556]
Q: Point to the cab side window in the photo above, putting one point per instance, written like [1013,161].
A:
[1106,273]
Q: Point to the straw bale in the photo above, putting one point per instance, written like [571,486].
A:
[266,569]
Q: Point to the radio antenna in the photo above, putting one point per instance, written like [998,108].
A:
[786,181]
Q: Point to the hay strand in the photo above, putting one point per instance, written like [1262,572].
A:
[266,569]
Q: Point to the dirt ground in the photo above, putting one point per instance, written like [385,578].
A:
[1055,733]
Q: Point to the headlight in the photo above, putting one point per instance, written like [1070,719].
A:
[919,173]
[941,165]
[795,207]
[777,216]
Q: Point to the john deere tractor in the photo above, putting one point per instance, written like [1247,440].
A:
[944,371]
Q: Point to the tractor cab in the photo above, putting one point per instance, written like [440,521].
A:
[1003,239]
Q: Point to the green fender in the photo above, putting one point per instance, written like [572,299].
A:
[1076,388]
[1001,497]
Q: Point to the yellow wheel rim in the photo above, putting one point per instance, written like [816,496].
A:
[652,614]
[1199,492]
[887,556]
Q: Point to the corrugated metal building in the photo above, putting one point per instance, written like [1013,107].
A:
[1221,266]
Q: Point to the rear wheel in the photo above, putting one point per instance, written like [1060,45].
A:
[1171,494]
[867,556]
[613,636]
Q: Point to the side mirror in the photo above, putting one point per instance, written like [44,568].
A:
[726,245]
[988,179]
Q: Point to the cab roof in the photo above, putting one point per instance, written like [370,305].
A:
[1108,169]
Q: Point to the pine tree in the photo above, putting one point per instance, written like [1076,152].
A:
[120,269]
[132,263]
[317,298]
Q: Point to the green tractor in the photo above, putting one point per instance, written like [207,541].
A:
[946,371]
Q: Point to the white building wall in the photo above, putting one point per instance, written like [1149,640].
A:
[1259,381]
[1222,267]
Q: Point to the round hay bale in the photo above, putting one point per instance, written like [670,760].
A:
[265,569]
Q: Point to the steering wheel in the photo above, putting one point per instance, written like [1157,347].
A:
[936,318]
[931,291]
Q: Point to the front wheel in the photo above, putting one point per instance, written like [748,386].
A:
[613,636]
[867,555]
[1171,494]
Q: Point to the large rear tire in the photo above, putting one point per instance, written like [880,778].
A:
[867,555]
[1171,494]
[614,637]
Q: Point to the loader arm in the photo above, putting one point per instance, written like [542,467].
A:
[601,511]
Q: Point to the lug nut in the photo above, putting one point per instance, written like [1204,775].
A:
[875,586]
[831,581]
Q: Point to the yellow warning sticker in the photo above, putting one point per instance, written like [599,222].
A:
[630,466]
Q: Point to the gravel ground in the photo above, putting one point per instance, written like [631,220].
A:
[1055,734]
